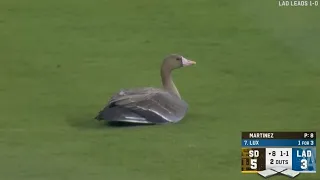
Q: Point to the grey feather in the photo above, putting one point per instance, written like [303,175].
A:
[147,105]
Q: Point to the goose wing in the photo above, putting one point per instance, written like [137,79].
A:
[151,103]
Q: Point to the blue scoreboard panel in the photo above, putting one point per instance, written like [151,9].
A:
[271,153]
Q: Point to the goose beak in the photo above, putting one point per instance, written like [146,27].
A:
[187,62]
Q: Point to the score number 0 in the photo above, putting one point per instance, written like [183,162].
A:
[254,162]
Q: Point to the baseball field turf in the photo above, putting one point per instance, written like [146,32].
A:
[258,69]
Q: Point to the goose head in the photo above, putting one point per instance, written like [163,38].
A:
[175,61]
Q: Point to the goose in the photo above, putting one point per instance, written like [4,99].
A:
[149,105]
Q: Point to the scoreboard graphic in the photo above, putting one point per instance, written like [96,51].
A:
[272,153]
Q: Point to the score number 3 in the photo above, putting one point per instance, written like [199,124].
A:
[304,164]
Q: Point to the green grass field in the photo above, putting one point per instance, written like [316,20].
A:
[257,69]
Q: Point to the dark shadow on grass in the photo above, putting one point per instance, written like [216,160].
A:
[126,124]
[84,122]
[88,122]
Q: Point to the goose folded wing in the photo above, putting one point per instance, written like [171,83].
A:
[159,103]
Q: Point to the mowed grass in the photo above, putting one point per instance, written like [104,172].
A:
[60,61]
